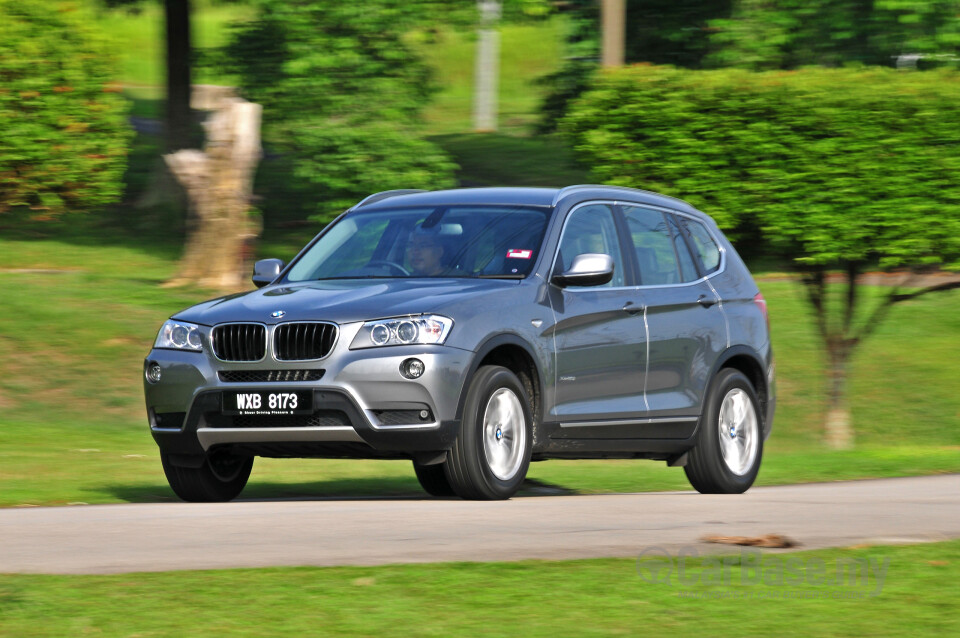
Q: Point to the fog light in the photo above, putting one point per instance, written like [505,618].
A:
[153,372]
[412,368]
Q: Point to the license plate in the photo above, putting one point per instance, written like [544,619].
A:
[277,403]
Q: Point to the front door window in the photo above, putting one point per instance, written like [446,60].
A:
[591,229]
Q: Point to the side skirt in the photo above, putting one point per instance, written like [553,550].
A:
[663,439]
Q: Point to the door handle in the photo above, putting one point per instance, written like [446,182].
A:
[632,309]
[706,301]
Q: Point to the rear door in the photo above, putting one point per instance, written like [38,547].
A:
[686,328]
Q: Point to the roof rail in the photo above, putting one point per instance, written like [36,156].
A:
[376,197]
[566,190]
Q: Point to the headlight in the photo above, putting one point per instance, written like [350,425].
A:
[178,335]
[403,331]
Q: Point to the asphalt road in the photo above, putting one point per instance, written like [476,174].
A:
[96,539]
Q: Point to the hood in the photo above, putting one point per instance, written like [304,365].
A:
[342,301]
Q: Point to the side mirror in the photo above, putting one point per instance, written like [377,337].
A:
[588,269]
[265,271]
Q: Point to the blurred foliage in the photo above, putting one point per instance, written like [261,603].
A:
[791,33]
[65,134]
[573,77]
[852,165]
[758,34]
[342,92]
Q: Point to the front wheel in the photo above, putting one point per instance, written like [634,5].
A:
[491,455]
[729,447]
[221,477]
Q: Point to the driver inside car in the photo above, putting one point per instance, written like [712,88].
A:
[425,252]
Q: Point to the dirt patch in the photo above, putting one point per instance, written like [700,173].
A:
[37,271]
[122,341]
[6,403]
[767,540]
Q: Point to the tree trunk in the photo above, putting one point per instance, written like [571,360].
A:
[613,18]
[178,116]
[487,68]
[838,432]
[161,187]
[218,182]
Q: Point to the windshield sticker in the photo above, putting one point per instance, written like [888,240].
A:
[515,253]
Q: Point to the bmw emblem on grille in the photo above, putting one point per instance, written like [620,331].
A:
[277,314]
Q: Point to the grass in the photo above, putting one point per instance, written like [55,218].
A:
[913,592]
[527,53]
[73,429]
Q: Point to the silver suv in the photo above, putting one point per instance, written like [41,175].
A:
[473,331]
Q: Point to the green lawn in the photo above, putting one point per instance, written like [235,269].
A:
[139,33]
[72,424]
[527,53]
[909,590]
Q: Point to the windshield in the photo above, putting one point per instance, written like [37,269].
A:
[445,241]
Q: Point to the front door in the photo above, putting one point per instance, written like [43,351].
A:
[599,332]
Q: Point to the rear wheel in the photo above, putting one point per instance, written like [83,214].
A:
[221,477]
[729,447]
[491,455]
[433,479]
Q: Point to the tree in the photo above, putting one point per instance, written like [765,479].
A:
[65,134]
[342,93]
[179,55]
[656,31]
[760,35]
[218,182]
[840,170]
[178,62]
[791,33]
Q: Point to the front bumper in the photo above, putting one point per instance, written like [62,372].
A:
[363,406]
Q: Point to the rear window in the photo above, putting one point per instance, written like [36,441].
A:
[703,244]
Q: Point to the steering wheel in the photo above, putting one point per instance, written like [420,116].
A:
[391,264]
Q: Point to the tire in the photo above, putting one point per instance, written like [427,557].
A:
[726,458]
[433,479]
[221,478]
[491,455]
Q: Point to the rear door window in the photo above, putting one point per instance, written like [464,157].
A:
[654,247]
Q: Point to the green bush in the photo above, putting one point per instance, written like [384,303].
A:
[64,135]
[830,166]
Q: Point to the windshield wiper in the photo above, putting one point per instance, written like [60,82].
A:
[500,276]
[357,277]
